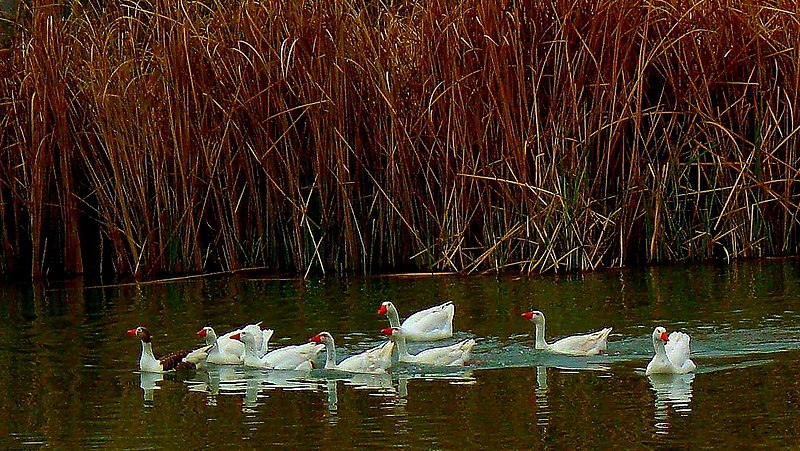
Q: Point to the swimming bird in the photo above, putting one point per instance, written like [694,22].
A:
[224,350]
[149,363]
[586,344]
[434,323]
[375,360]
[297,357]
[672,353]
[454,355]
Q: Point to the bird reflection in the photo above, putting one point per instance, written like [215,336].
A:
[402,387]
[380,383]
[401,399]
[149,384]
[542,405]
[213,380]
[219,378]
[333,396]
[673,394]
[251,384]
[248,383]
[558,363]
[251,396]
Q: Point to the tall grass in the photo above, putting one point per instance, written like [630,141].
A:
[174,136]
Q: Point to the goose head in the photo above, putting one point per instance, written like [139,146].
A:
[660,335]
[140,332]
[535,316]
[386,306]
[245,337]
[207,333]
[322,337]
[392,332]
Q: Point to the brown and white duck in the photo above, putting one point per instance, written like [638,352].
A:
[149,363]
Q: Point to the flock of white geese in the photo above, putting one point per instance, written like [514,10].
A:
[249,346]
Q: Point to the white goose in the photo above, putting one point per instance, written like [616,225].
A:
[375,360]
[672,353]
[200,355]
[149,363]
[224,350]
[587,344]
[299,357]
[434,323]
[260,336]
[453,355]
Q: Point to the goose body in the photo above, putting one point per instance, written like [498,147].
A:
[454,355]
[149,363]
[587,344]
[672,353]
[375,360]
[434,323]
[198,356]
[298,357]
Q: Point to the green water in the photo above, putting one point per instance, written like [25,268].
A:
[69,380]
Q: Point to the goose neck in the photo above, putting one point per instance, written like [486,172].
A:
[147,359]
[394,318]
[250,353]
[211,338]
[402,348]
[330,352]
[541,343]
[659,347]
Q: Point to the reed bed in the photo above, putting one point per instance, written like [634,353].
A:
[173,136]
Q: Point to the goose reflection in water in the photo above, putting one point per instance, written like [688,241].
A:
[214,379]
[257,382]
[148,382]
[542,405]
[461,377]
[563,365]
[673,394]
[381,384]
[250,383]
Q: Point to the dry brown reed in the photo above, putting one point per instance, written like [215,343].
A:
[175,136]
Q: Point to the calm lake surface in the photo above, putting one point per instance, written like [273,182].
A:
[69,379]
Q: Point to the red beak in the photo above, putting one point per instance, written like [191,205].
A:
[387,331]
[527,315]
[132,332]
[382,310]
[664,337]
[237,336]
[315,339]
[202,333]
